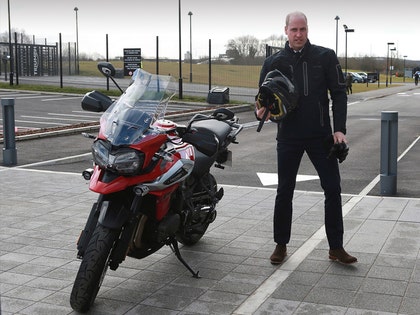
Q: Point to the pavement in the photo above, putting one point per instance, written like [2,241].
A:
[43,211]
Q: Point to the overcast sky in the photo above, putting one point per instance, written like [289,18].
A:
[136,24]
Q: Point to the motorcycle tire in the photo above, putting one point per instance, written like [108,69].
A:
[191,238]
[93,268]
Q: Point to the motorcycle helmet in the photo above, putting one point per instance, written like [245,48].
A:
[278,94]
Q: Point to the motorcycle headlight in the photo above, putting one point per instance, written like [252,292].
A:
[124,161]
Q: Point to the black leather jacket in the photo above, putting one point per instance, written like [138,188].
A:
[316,74]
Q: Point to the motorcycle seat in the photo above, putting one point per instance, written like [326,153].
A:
[220,129]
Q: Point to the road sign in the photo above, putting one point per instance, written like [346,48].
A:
[132,60]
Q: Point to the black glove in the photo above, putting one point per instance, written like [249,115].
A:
[338,150]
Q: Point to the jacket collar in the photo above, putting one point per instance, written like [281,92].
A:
[303,50]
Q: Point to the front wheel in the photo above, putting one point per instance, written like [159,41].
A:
[92,269]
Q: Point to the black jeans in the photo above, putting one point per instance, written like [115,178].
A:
[289,155]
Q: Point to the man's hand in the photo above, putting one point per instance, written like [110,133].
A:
[259,111]
[339,137]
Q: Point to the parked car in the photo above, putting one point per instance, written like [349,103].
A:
[356,78]
[364,76]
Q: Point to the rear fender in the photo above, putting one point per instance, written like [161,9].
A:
[113,214]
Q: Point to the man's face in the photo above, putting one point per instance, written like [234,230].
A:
[297,32]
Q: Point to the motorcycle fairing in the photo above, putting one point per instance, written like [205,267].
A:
[173,168]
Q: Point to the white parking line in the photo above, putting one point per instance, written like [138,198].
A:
[32,96]
[87,113]
[55,161]
[54,118]
[73,115]
[16,95]
[37,122]
[62,98]
[268,179]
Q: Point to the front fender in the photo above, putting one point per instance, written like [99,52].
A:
[113,214]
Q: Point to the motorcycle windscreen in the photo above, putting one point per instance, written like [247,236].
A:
[127,126]
[144,101]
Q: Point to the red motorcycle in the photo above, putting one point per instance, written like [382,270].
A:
[152,176]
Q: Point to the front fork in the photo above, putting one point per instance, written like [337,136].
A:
[87,232]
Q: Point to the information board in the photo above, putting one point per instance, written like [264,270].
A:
[132,60]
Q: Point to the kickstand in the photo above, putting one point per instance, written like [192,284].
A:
[174,246]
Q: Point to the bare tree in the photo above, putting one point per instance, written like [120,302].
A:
[275,40]
[22,36]
[243,48]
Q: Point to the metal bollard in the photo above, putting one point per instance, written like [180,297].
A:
[389,146]
[9,147]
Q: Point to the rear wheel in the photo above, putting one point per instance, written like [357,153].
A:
[93,268]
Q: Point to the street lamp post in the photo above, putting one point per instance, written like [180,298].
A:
[179,57]
[391,68]
[336,34]
[77,41]
[387,62]
[190,14]
[347,30]
[404,69]
[10,46]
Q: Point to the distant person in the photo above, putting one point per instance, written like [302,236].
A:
[349,84]
[416,78]
[316,75]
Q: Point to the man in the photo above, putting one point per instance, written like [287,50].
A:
[349,83]
[315,72]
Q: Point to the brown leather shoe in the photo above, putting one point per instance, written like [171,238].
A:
[278,255]
[342,256]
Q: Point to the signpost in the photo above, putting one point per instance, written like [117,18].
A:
[132,60]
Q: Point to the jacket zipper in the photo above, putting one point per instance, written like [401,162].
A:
[305,78]
[306,91]
[321,113]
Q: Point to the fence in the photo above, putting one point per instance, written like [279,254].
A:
[53,60]
[29,59]
[37,60]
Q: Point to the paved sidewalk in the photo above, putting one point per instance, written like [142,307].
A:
[42,213]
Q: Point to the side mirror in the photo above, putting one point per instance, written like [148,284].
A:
[107,69]
[96,102]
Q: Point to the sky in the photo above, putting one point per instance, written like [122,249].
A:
[137,24]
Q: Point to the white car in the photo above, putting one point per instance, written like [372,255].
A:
[364,76]
[356,78]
